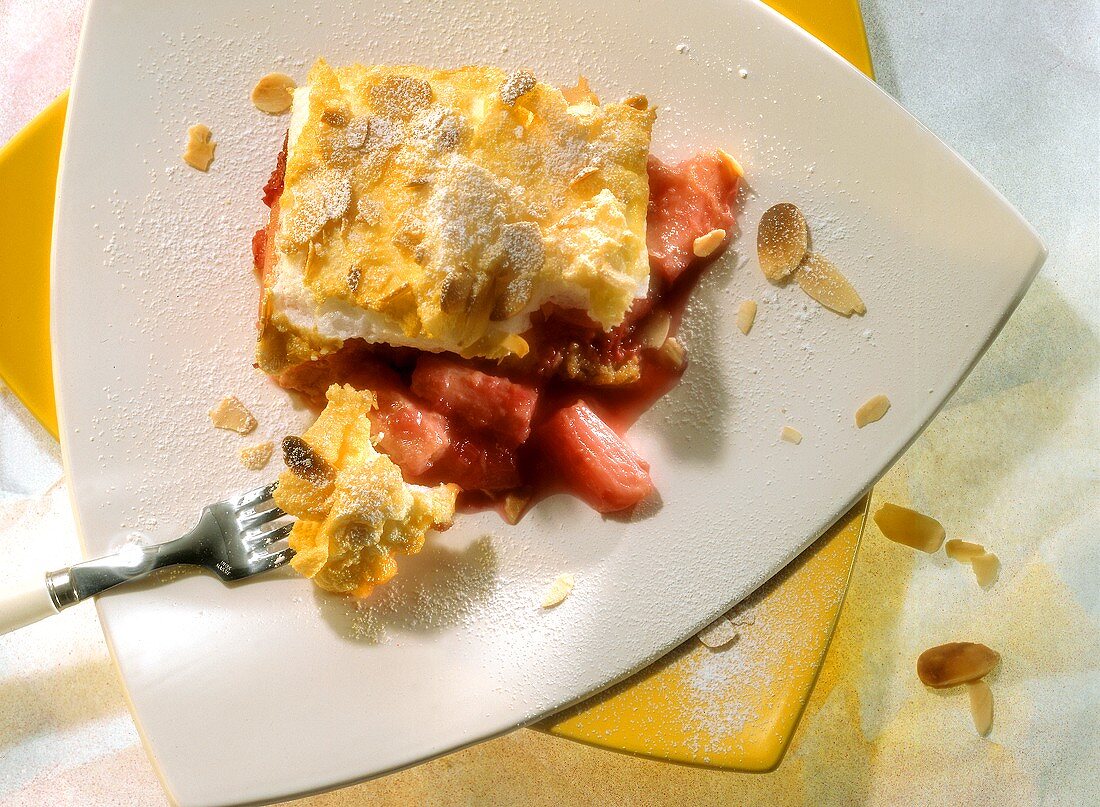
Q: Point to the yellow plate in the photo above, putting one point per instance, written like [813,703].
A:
[677,709]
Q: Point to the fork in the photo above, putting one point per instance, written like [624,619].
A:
[234,539]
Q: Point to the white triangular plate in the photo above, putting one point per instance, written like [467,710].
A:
[267,690]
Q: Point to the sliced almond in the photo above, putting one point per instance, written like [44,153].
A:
[231,414]
[731,163]
[963,551]
[718,633]
[908,527]
[200,148]
[820,279]
[872,410]
[789,434]
[256,457]
[987,569]
[274,93]
[514,505]
[781,241]
[671,354]
[559,589]
[638,102]
[954,663]
[705,245]
[981,706]
[654,330]
[746,316]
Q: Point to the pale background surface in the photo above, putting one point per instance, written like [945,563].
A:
[1013,462]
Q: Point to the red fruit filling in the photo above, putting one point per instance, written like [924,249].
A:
[531,424]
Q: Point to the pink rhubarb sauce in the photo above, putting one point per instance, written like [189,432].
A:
[531,426]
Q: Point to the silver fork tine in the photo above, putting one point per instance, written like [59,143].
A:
[254,497]
[274,560]
[255,519]
[271,536]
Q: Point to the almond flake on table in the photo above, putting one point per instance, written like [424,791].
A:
[987,569]
[981,706]
[822,281]
[789,434]
[718,633]
[230,414]
[559,589]
[963,551]
[949,665]
[910,528]
[746,316]
[872,410]
[199,152]
[274,93]
[781,241]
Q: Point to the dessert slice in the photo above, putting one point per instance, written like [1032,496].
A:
[439,209]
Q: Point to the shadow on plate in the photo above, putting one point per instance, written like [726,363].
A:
[434,590]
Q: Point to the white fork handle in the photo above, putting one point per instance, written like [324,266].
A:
[20,605]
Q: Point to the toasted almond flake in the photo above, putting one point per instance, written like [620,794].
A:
[746,316]
[231,414]
[954,663]
[981,706]
[200,148]
[584,173]
[274,93]
[718,633]
[789,434]
[872,410]
[987,569]
[639,102]
[731,163]
[908,527]
[820,279]
[704,245]
[559,589]
[963,551]
[671,354]
[514,505]
[256,457]
[654,331]
[781,241]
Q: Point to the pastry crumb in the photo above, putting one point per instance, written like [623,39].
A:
[232,415]
[822,281]
[872,410]
[981,706]
[781,241]
[559,589]
[705,245]
[200,147]
[904,526]
[746,316]
[789,434]
[987,569]
[256,457]
[274,93]
[514,505]
[954,663]
[718,633]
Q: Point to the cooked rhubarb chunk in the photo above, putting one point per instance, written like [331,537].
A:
[686,202]
[413,436]
[479,400]
[592,460]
